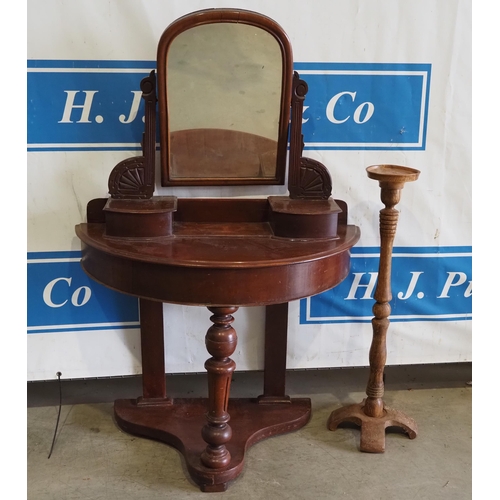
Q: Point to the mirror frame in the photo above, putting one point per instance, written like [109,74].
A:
[212,16]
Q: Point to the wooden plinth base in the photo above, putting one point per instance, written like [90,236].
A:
[372,429]
[179,424]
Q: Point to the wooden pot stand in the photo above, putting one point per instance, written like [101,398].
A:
[372,415]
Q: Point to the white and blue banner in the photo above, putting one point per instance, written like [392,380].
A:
[61,297]
[97,105]
[365,106]
[428,284]
[389,82]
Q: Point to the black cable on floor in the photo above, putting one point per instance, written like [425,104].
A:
[58,413]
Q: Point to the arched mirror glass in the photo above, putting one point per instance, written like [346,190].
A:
[225,92]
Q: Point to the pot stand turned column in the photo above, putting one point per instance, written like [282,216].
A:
[371,414]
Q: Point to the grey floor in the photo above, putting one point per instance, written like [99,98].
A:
[93,459]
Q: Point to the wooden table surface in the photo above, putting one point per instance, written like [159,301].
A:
[211,264]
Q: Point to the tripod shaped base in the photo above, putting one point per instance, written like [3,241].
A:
[178,423]
[372,428]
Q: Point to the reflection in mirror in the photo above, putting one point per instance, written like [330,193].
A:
[224,84]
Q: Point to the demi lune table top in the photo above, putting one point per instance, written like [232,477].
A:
[217,264]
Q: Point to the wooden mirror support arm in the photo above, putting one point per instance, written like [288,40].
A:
[132,211]
[308,211]
[371,414]
[307,178]
[134,178]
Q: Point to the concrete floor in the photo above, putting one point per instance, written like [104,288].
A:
[93,459]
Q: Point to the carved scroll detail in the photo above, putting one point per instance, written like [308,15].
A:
[134,178]
[307,178]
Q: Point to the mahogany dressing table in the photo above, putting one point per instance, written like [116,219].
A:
[229,103]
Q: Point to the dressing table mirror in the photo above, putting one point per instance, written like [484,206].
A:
[229,113]
[221,95]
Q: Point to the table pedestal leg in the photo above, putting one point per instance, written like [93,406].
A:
[199,428]
[221,342]
[372,415]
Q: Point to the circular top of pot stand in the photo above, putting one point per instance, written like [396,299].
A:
[392,174]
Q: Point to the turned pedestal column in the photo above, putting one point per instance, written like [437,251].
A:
[372,415]
[221,342]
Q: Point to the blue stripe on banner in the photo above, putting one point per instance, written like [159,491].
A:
[54,255]
[62,298]
[428,284]
[69,64]
[345,66]
[83,148]
[96,105]
[397,251]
